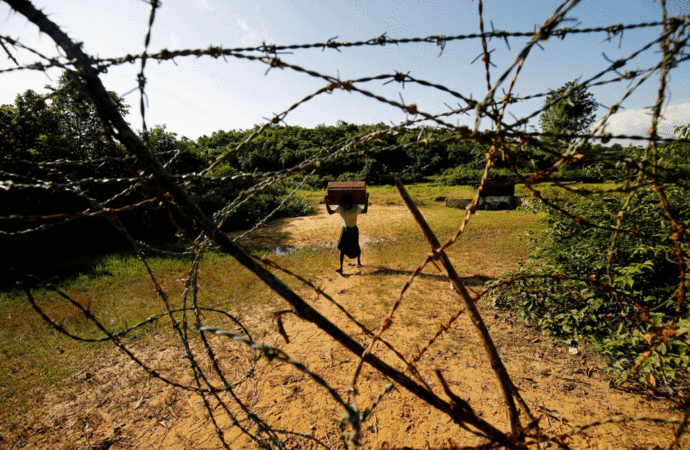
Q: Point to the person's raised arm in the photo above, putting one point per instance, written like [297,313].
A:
[328,206]
[366,205]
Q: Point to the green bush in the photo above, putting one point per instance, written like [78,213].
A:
[464,175]
[624,303]
[594,173]
[263,204]
[215,193]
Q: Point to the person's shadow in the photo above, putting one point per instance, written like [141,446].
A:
[359,271]
[473,280]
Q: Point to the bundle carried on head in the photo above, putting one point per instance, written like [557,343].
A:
[337,190]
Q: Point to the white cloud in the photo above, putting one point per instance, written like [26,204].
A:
[636,122]
[243,24]
[249,36]
[205,5]
[675,115]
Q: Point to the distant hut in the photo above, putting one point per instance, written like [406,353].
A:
[497,196]
[494,196]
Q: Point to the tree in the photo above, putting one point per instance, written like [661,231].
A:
[569,110]
[180,156]
[79,122]
[66,126]
[35,131]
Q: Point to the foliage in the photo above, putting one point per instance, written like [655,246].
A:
[463,175]
[568,110]
[683,132]
[282,146]
[67,126]
[263,204]
[618,291]
[592,173]
[217,191]
[79,122]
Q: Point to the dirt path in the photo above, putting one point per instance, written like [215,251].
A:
[121,407]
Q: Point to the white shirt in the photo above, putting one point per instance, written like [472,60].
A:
[349,216]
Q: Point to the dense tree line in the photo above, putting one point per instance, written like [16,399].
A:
[285,146]
[61,139]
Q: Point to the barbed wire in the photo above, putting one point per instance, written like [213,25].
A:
[439,40]
[161,190]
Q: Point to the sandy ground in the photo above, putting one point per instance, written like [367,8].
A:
[119,406]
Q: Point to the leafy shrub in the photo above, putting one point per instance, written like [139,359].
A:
[263,204]
[594,173]
[626,303]
[463,175]
[215,193]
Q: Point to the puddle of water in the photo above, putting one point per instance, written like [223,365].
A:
[284,250]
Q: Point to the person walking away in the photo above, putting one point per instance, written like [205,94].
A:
[348,244]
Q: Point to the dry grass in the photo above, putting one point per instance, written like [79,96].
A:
[56,385]
[120,292]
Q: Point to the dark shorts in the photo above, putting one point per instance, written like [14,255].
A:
[349,242]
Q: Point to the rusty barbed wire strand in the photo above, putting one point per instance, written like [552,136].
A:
[386,322]
[89,316]
[163,55]
[198,376]
[39,105]
[675,445]
[510,392]
[100,161]
[549,24]
[465,222]
[442,328]
[268,216]
[486,54]
[316,162]
[541,33]
[262,427]
[9,54]
[53,62]
[613,67]
[618,295]
[274,62]
[410,365]
[105,212]
[352,416]
[141,77]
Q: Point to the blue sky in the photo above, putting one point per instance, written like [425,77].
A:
[197,96]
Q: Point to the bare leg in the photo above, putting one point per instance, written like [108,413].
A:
[359,261]
[342,257]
